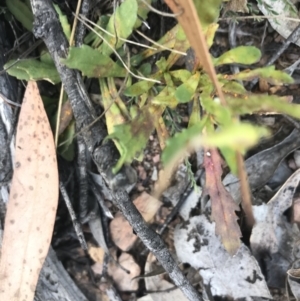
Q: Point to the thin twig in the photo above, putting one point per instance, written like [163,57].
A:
[84,214]
[160,12]
[117,54]
[244,184]
[159,45]
[75,23]
[58,115]
[72,213]
[245,190]
[10,101]
[80,28]
[114,36]
[280,17]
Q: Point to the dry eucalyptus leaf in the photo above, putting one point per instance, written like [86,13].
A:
[147,206]
[121,231]
[33,201]
[124,280]
[96,253]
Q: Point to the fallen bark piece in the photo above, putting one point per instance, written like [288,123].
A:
[286,9]
[32,204]
[275,240]
[225,276]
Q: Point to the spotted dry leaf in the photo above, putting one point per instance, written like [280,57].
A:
[32,204]
[223,206]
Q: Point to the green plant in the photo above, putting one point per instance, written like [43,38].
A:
[157,93]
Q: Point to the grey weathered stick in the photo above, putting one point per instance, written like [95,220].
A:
[81,29]
[55,283]
[47,27]
[262,165]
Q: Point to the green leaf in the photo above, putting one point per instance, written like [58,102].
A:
[92,36]
[27,3]
[233,87]
[113,113]
[176,145]
[92,63]
[230,158]
[146,69]
[196,113]
[142,12]
[274,77]
[237,136]
[162,64]
[139,88]
[64,22]
[246,55]
[262,103]
[168,40]
[166,97]
[221,114]
[45,57]
[185,92]
[21,12]
[208,11]
[31,69]
[181,74]
[133,136]
[181,44]
[210,34]
[121,24]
